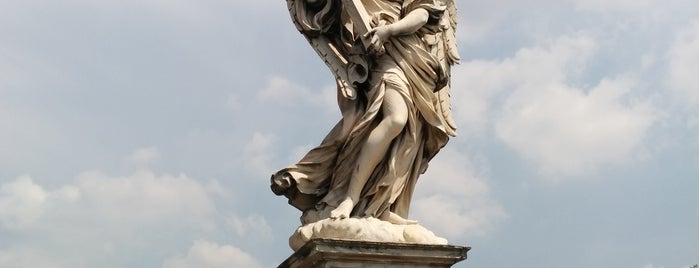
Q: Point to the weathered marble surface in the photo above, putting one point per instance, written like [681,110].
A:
[364,229]
[391,61]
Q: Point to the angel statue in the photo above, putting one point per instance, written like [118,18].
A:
[391,60]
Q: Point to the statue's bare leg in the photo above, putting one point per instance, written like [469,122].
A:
[395,115]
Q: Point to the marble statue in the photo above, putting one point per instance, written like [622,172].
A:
[391,60]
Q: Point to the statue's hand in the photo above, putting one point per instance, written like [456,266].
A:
[379,36]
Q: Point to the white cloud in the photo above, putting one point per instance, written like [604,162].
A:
[565,131]
[548,119]
[145,197]
[21,203]
[475,84]
[684,63]
[102,218]
[456,217]
[211,255]
[454,200]
[479,83]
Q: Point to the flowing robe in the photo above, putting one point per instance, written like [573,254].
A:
[320,180]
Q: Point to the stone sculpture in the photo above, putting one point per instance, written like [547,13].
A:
[391,60]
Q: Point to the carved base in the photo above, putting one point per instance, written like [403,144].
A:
[344,253]
[363,229]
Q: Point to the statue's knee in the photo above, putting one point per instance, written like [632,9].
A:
[396,123]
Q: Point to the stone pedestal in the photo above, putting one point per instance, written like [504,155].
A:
[346,254]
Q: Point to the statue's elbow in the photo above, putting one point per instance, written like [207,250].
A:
[423,16]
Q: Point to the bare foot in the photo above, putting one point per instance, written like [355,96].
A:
[343,210]
[395,219]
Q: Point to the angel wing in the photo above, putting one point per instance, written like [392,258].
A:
[450,33]
[448,55]
[319,22]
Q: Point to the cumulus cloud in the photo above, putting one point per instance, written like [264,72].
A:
[484,81]
[211,255]
[566,131]
[684,63]
[145,197]
[561,127]
[101,218]
[21,202]
[453,198]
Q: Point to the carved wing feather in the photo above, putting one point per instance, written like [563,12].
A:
[319,22]
[451,8]
[448,54]
[450,33]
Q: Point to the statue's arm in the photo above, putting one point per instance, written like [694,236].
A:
[409,24]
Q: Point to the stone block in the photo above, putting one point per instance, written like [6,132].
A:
[326,253]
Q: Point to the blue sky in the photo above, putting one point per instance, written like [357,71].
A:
[143,133]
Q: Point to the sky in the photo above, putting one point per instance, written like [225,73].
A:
[142,133]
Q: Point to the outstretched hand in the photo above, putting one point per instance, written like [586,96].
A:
[379,36]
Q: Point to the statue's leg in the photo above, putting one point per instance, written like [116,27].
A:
[395,116]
